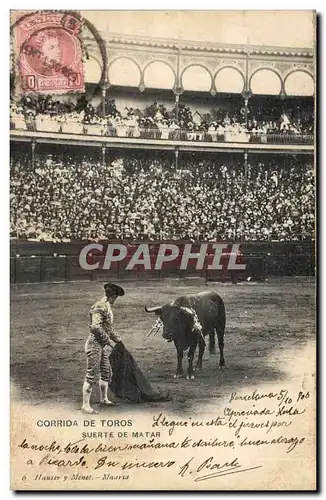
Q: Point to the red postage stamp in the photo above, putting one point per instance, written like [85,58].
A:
[49,52]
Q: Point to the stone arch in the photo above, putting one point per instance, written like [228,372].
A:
[265,86]
[237,88]
[302,86]
[124,71]
[189,85]
[163,81]
[93,70]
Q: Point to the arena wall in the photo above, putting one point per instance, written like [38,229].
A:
[34,262]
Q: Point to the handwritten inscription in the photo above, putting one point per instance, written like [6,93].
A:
[248,421]
[211,469]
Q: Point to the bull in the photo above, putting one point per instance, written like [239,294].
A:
[186,322]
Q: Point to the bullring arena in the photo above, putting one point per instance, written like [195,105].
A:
[267,326]
[219,148]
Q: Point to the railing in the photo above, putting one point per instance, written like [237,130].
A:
[162,133]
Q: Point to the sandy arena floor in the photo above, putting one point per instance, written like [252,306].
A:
[266,323]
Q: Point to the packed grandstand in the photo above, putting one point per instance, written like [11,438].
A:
[137,160]
[287,121]
[142,195]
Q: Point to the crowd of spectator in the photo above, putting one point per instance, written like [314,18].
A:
[45,113]
[140,196]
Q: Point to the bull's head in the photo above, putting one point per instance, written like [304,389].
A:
[177,322]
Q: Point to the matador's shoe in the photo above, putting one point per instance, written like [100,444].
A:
[90,411]
[105,404]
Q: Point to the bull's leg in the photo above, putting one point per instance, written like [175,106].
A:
[201,346]
[220,337]
[178,373]
[212,349]
[191,354]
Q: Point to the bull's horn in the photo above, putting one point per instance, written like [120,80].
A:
[153,309]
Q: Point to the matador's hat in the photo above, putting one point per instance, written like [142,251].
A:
[112,288]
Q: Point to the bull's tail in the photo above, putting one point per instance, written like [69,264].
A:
[212,349]
[222,316]
[219,327]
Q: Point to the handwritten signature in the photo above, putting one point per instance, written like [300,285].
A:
[216,469]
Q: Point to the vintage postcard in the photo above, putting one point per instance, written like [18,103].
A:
[162,265]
